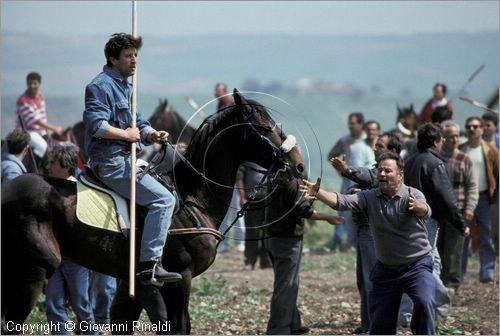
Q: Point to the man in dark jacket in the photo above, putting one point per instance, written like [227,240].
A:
[426,171]
[251,175]
[284,227]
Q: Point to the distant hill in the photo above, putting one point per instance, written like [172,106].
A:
[385,65]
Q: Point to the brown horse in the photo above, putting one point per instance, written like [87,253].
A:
[39,225]
[166,118]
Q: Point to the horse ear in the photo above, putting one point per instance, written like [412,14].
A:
[238,98]
[411,107]
[241,102]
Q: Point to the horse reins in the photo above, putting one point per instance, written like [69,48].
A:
[278,153]
[251,198]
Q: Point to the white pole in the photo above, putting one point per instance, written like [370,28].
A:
[131,289]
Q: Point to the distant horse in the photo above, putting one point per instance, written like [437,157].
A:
[407,121]
[166,118]
[39,224]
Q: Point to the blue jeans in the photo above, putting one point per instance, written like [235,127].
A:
[365,261]
[238,227]
[115,173]
[441,299]
[344,229]
[70,282]
[101,292]
[389,283]
[487,253]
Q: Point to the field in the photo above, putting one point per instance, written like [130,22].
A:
[229,299]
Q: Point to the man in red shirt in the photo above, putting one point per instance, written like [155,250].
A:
[31,115]
[438,100]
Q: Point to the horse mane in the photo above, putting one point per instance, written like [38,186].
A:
[218,121]
[212,125]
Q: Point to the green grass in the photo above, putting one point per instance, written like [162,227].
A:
[319,233]
[336,263]
[443,329]
[38,315]
[216,299]
[471,320]
[207,295]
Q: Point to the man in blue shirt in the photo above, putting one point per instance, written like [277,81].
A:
[17,148]
[108,138]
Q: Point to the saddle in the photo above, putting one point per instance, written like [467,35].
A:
[101,207]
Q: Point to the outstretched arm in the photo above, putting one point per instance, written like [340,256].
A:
[313,191]
[365,177]
[332,219]
[56,129]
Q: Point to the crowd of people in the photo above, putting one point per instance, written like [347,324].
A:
[407,205]
[455,175]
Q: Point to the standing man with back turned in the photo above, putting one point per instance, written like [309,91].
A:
[108,139]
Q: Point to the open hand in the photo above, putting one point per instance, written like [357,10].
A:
[309,189]
[339,165]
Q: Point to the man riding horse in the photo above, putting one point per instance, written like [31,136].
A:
[108,119]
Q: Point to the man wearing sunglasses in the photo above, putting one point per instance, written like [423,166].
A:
[484,158]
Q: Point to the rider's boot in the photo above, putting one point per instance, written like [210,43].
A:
[153,273]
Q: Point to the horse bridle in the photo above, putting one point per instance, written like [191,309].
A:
[278,152]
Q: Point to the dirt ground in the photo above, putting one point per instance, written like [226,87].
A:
[328,298]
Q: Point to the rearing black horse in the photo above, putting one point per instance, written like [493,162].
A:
[39,225]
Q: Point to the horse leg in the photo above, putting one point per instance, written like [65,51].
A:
[28,262]
[176,297]
[20,295]
[151,299]
[124,309]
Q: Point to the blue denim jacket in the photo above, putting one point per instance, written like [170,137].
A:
[107,103]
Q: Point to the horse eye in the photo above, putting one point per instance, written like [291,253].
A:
[300,168]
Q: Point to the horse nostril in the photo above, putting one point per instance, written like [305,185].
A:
[300,168]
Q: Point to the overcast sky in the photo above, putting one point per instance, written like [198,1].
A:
[70,18]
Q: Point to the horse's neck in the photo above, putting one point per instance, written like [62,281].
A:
[213,191]
[218,190]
